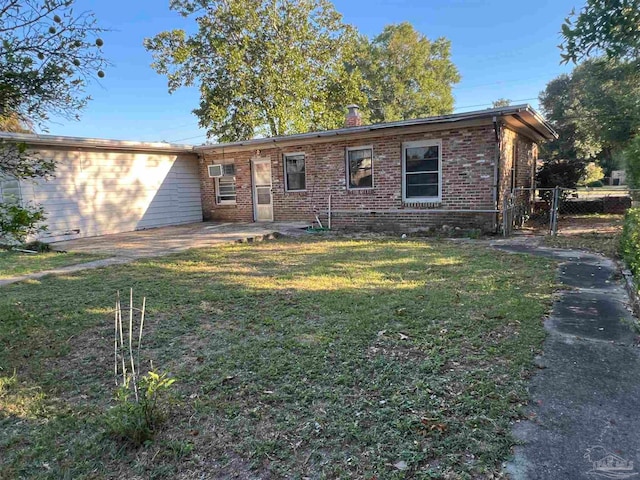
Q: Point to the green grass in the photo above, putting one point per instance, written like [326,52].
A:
[599,233]
[330,358]
[14,263]
[607,244]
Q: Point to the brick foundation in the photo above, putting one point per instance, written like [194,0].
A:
[411,222]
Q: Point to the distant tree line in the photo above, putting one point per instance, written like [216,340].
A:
[596,107]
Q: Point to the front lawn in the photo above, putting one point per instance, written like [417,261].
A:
[330,358]
[13,263]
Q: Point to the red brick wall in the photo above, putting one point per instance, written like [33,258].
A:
[526,158]
[467,175]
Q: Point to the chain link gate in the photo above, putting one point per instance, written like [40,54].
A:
[530,210]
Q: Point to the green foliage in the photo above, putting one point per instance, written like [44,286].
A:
[562,173]
[611,27]
[631,157]
[47,53]
[136,421]
[501,102]
[595,110]
[17,161]
[18,222]
[595,184]
[262,66]
[592,173]
[630,241]
[406,74]
[276,67]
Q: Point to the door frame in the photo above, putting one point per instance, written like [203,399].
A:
[254,187]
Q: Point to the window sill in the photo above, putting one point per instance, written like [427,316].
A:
[422,203]
[422,200]
[363,189]
[295,191]
[226,204]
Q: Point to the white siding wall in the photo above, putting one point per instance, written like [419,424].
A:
[97,192]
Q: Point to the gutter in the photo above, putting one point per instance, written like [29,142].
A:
[438,120]
[496,171]
[92,143]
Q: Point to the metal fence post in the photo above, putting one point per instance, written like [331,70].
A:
[554,211]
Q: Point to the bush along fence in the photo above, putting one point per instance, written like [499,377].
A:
[550,210]
[630,241]
[630,253]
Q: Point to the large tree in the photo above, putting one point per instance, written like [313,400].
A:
[595,110]
[268,67]
[602,27]
[407,75]
[275,67]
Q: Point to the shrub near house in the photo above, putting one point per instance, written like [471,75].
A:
[630,242]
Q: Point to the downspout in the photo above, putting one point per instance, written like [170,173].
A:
[496,172]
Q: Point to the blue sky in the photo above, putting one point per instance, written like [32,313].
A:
[502,48]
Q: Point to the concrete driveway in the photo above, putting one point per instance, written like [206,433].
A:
[165,240]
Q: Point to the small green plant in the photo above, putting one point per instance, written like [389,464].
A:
[136,420]
[7,383]
[140,400]
[630,241]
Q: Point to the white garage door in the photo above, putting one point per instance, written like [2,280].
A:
[97,192]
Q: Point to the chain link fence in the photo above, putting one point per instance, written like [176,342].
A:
[566,211]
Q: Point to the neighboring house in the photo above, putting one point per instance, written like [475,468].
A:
[107,186]
[451,170]
[618,177]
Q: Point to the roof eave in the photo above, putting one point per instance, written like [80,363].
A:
[546,131]
[92,143]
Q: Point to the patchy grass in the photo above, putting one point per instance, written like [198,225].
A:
[599,233]
[605,243]
[14,263]
[329,358]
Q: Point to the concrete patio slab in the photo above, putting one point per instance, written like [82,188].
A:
[165,240]
[126,247]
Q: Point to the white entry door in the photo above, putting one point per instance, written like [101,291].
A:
[262,199]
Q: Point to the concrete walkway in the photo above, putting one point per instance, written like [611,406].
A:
[127,247]
[585,410]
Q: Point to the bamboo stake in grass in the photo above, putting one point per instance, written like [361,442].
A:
[124,365]
[115,340]
[133,368]
[144,306]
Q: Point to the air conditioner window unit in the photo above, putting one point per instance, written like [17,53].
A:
[216,171]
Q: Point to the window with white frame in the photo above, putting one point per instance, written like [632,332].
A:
[422,171]
[226,185]
[294,172]
[360,167]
